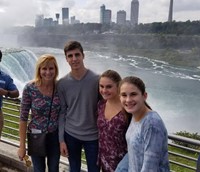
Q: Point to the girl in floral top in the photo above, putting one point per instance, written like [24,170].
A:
[112,123]
[40,97]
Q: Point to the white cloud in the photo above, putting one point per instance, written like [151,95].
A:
[18,12]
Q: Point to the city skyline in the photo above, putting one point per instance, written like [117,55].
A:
[14,12]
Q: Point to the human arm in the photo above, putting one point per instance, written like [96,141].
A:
[123,164]
[63,146]
[61,122]
[22,135]
[12,94]
[24,113]
[8,93]
[154,143]
[8,87]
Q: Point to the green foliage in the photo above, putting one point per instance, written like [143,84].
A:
[180,151]
[195,136]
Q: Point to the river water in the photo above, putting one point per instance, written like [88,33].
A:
[173,92]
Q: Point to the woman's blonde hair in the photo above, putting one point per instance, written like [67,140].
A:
[42,61]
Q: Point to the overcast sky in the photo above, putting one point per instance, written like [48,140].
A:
[23,12]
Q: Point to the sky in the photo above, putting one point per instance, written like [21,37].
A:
[23,12]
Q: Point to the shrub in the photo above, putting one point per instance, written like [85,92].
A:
[195,136]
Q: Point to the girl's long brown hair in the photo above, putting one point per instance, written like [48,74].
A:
[116,78]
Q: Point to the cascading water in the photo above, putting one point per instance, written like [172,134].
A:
[172,91]
[19,64]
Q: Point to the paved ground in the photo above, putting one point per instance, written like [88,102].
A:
[5,168]
[9,161]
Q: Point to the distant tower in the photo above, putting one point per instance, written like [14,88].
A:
[102,13]
[105,15]
[134,12]
[65,16]
[121,17]
[57,17]
[170,11]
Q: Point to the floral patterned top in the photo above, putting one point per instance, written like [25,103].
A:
[39,105]
[112,142]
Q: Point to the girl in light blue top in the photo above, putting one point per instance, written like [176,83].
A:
[146,136]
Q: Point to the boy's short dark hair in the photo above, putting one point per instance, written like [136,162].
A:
[71,45]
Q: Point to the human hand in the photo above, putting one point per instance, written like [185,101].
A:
[3,91]
[63,149]
[21,153]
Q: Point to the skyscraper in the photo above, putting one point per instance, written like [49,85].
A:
[121,17]
[102,11]
[170,11]
[105,15]
[134,12]
[65,16]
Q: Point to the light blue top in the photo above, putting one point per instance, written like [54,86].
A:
[147,146]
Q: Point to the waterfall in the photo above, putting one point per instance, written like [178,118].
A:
[19,64]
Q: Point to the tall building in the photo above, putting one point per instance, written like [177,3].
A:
[74,21]
[48,22]
[170,11]
[134,12]
[121,17]
[105,15]
[39,20]
[102,11]
[65,16]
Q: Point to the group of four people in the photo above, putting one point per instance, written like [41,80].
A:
[106,115]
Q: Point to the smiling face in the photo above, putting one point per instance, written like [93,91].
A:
[132,99]
[48,71]
[108,88]
[75,59]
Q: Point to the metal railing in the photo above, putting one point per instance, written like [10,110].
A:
[183,152]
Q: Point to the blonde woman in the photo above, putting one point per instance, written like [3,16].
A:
[38,95]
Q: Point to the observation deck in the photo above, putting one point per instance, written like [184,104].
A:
[183,152]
